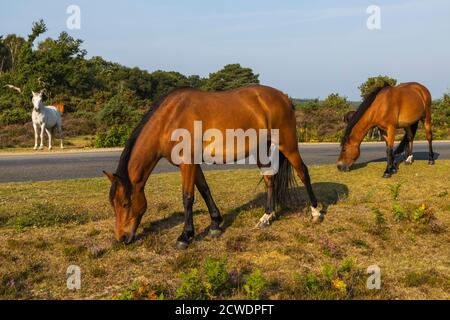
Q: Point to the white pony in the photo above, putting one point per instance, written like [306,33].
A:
[47,118]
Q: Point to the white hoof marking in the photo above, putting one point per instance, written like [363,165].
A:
[409,160]
[265,220]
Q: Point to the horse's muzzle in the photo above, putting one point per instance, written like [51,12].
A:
[343,167]
[126,238]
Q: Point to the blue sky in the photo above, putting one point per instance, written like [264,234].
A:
[306,48]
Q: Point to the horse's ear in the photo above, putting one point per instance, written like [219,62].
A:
[110,176]
[33,93]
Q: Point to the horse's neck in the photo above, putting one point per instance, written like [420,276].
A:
[361,128]
[144,157]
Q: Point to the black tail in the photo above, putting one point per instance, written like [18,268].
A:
[401,147]
[282,181]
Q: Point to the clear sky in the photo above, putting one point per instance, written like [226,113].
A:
[306,48]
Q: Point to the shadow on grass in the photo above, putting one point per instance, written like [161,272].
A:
[327,193]
[398,158]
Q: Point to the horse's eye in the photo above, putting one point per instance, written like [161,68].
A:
[126,205]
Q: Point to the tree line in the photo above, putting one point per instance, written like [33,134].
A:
[107,99]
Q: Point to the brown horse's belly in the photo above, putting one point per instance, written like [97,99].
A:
[410,117]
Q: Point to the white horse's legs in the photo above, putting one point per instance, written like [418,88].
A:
[49,134]
[42,136]
[35,136]
[60,136]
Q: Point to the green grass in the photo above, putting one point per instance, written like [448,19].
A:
[296,259]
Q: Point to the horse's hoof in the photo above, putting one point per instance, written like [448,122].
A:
[431,162]
[215,233]
[181,245]
[387,175]
[265,220]
[316,215]
[317,219]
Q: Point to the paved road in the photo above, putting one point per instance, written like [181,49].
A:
[72,165]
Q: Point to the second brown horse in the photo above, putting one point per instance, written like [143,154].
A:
[389,108]
[254,107]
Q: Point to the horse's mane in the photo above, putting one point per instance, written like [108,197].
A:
[122,167]
[363,107]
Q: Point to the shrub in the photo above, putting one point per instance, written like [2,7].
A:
[14,116]
[114,137]
[254,285]
[141,290]
[191,287]
[398,212]
[118,111]
[422,214]
[217,276]
[395,190]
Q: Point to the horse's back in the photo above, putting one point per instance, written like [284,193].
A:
[410,100]
[235,108]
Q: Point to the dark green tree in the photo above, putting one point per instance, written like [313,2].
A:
[336,102]
[230,77]
[375,82]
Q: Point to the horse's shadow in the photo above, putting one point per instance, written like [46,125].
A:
[399,159]
[328,193]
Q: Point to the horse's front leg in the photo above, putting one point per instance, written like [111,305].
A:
[203,188]
[188,180]
[42,136]
[49,134]
[35,136]
[391,167]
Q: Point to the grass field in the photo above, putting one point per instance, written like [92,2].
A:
[400,224]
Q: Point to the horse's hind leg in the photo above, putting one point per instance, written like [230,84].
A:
[269,211]
[203,188]
[409,147]
[429,136]
[60,135]
[188,180]
[301,169]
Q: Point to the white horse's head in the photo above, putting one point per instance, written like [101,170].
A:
[37,99]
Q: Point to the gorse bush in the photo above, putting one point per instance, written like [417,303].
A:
[254,285]
[117,136]
[395,190]
[14,116]
[341,281]
[192,287]
[422,214]
[398,212]
[118,111]
[217,276]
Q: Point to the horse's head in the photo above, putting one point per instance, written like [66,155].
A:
[128,208]
[349,153]
[37,99]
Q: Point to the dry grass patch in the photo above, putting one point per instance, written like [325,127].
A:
[293,258]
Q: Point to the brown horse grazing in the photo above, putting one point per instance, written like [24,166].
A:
[389,108]
[254,107]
